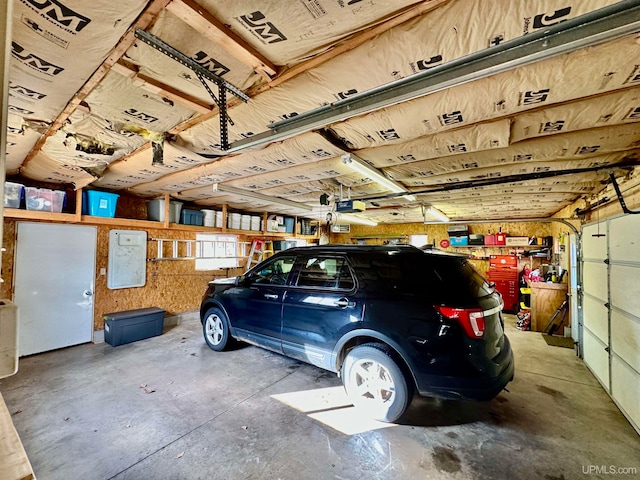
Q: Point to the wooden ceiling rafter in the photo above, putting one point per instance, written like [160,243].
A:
[210,27]
[349,44]
[450,130]
[152,85]
[146,18]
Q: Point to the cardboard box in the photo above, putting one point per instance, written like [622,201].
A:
[517,241]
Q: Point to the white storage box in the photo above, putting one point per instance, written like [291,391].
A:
[209,218]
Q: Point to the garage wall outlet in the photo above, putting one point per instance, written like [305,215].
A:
[103,271]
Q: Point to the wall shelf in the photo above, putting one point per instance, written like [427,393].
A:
[147,224]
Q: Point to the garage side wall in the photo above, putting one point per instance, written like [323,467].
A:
[174,286]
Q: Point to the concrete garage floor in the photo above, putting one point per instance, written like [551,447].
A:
[170,408]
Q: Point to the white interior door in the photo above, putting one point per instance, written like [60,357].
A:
[54,283]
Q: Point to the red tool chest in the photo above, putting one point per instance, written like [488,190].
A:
[503,271]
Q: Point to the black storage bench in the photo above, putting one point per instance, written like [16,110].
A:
[133,325]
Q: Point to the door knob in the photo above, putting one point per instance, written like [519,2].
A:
[88,293]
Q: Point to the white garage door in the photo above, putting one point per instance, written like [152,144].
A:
[611,314]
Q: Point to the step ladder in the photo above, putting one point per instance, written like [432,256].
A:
[259,248]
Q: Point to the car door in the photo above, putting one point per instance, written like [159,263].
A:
[322,303]
[255,306]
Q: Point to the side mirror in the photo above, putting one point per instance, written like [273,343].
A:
[240,280]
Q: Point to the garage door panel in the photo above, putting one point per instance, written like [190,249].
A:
[596,358]
[625,281]
[624,239]
[594,247]
[625,389]
[595,280]
[596,318]
[625,338]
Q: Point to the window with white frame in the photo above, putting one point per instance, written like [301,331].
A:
[215,251]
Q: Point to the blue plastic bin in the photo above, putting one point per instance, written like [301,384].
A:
[99,204]
[289,224]
[191,217]
[461,241]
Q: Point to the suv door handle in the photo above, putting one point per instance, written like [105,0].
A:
[344,303]
[271,296]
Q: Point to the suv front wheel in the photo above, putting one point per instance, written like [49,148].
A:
[375,383]
[215,328]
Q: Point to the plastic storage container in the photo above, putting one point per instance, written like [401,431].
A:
[99,204]
[245,222]
[12,194]
[43,199]
[192,217]
[289,224]
[209,218]
[133,325]
[476,239]
[234,221]
[155,210]
[459,241]
[255,223]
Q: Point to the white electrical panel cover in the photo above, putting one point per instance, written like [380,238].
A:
[127,259]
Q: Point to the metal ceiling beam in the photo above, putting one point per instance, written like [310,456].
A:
[627,162]
[605,24]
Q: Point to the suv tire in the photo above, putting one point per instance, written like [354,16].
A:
[375,383]
[215,329]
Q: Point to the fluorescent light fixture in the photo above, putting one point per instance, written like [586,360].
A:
[353,219]
[434,212]
[218,187]
[363,168]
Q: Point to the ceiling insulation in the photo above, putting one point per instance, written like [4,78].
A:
[577,110]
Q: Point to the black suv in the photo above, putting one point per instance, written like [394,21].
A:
[388,319]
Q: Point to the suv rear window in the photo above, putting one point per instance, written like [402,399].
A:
[445,279]
[328,272]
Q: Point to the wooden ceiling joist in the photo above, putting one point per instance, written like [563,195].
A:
[146,18]
[201,20]
[158,88]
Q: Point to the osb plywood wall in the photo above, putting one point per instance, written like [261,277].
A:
[9,243]
[174,286]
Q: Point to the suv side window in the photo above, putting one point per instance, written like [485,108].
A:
[327,272]
[274,273]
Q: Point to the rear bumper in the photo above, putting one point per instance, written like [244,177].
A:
[479,388]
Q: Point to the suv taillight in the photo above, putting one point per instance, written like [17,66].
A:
[471,319]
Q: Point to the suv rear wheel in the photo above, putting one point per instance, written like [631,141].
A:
[375,383]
